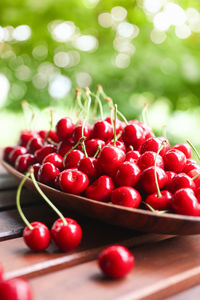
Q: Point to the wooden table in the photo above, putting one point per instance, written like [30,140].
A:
[166,267]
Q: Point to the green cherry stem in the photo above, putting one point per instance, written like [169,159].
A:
[195,176]
[45,197]
[115,124]
[82,139]
[194,149]
[50,124]
[155,175]
[98,150]
[18,201]
[122,116]
[145,114]
[99,103]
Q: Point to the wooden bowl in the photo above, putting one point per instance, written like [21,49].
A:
[137,219]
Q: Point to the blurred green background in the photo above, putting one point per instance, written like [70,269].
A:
[139,51]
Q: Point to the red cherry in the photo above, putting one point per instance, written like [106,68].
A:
[127,174]
[103,130]
[184,202]
[24,161]
[77,133]
[170,176]
[133,135]
[174,160]
[55,159]
[190,165]
[100,189]
[64,147]
[153,144]
[147,160]
[119,124]
[38,238]
[47,173]
[110,158]
[15,289]
[89,166]
[66,236]
[180,181]
[73,181]
[1,272]
[73,159]
[34,144]
[185,148]
[64,128]
[126,196]
[116,261]
[51,134]
[147,179]
[132,155]
[162,202]
[26,136]
[119,145]
[17,151]
[92,145]
[36,168]
[6,152]
[41,153]
[194,173]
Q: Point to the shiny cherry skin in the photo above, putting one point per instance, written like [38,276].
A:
[180,181]
[102,130]
[127,174]
[100,189]
[126,196]
[41,153]
[73,181]
[132,155]
[116,261]
[170,176]
[184,202]
[119,144]
[133,135]
[89,166]
[174,160]
[51,134]
[34,144]
[15,289]
[147,160]
[36,168]
[66,236]
[64,128]
[38,238]
[92,145]
[47,173]
[73,159]
[164,202]
[64,147]
[55,159]
[119,124]
[185,148]
[147,179]
[1,272]
[6,152]
[190,165]
[24,161]
[110,159]
[196,180]
[77,133]
[17,151]
[26,136]
[153,144]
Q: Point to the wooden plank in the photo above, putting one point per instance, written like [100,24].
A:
[161,269]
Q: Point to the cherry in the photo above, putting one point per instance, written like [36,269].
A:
[73,181]
[24,161]
[17,151]
[51,134]
[38,237]
[64,128]
[127,174]
[100,189]
[41,153]
[64,147]
[47,173]
[55,159]
[170,176]
[132,155]
[118,144]
[6,152]
[72,160]
[102,130]
[194,174]
[153,144]
[133,135]
[78,132]
[184,202]
[1,272]
[180,181]
[34,144]
[147,179]
[147,160]
[119,124]
[15,289]
[126,196]
[189,166]
[36,168]
[110,158]
[92,146]
[116,261]
[89,166]
[185,148]
[67,236]
[26,136]
[174,160]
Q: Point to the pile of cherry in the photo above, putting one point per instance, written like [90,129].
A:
[112,160]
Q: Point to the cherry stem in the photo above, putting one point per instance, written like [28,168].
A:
[78,98]
[76,145]
[52,142]
[131,148]
[98,150]
[145,114]
[154,210]
[45,197]
[24,106]
[18,201]
[122,116]
[50,124]
[195,176]
[99,103]
[155,175]
[115,123]
[194,149]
